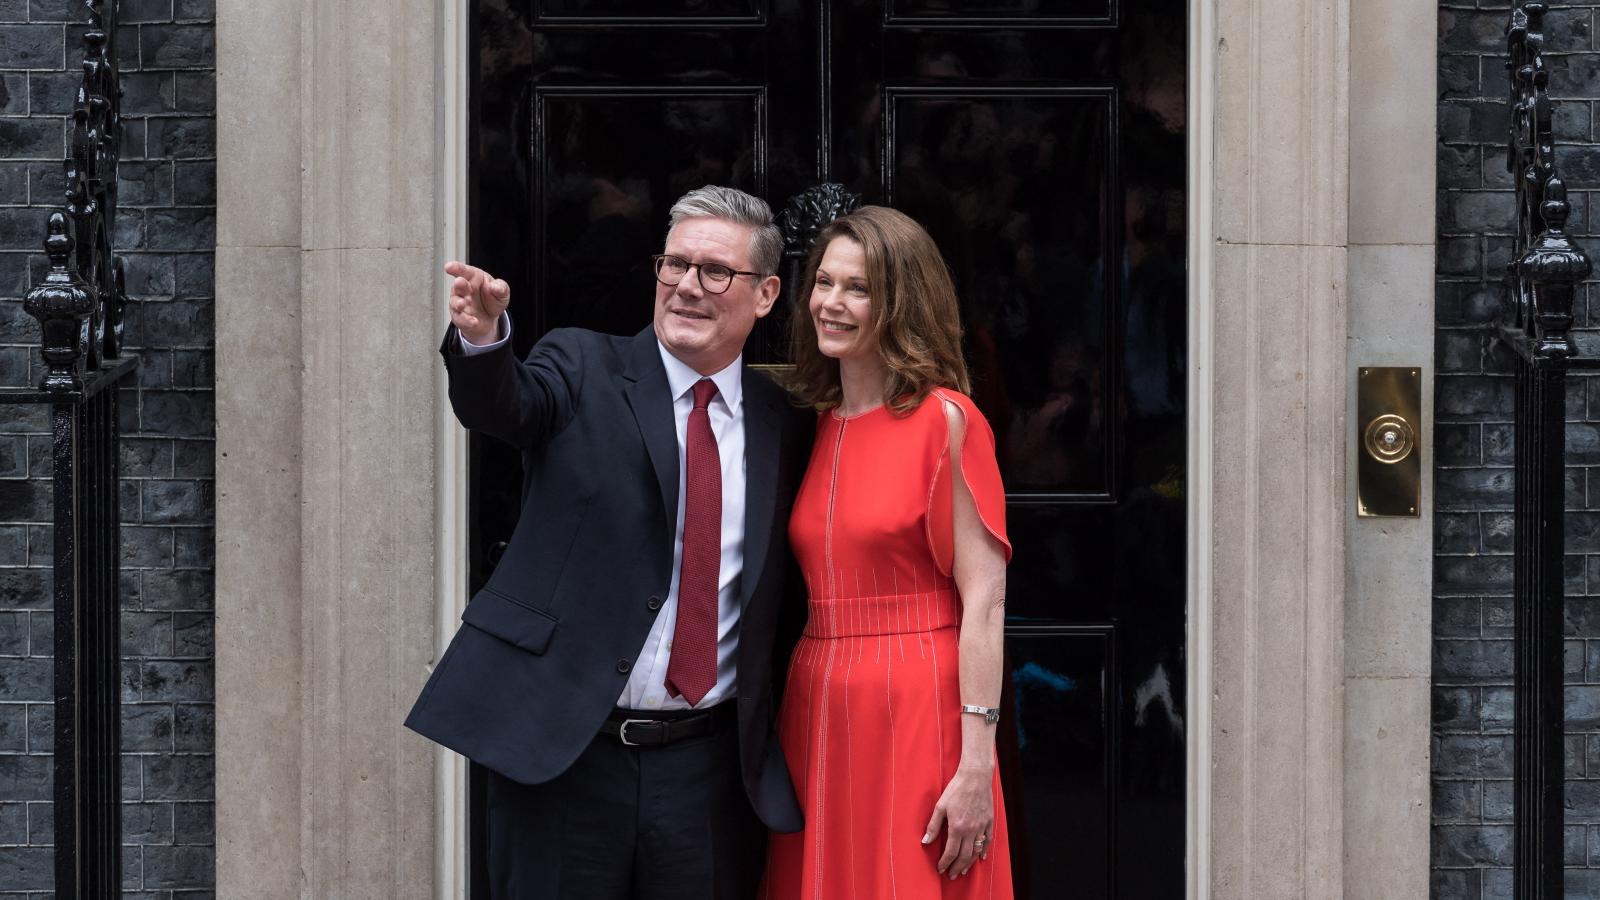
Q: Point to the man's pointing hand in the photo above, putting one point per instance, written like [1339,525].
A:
[476,301]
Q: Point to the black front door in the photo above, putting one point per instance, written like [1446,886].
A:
[1042,144]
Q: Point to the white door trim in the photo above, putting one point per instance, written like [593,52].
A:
[451,867]
[1197,742]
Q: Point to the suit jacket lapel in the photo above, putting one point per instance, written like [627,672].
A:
[761,424]
[651,401]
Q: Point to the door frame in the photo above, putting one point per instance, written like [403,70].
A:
[453,52]
[1201,87]
[453,19]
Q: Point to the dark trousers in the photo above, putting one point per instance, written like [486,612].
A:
[625,823]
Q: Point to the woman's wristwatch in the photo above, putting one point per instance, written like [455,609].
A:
[991,714]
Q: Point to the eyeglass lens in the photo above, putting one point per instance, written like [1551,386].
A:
[713,276]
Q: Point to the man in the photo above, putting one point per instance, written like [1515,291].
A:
[614,674]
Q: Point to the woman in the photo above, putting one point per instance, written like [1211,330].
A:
[888,717]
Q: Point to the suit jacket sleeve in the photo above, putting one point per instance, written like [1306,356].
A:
[524,403]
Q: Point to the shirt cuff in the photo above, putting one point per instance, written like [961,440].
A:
[468,348]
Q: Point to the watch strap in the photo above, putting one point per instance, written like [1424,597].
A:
[991,714]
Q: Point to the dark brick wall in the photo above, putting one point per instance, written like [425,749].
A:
[1472,704]
[166,231]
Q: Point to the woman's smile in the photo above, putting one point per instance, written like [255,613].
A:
[841,302]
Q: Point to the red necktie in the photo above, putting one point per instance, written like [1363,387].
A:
[692,669]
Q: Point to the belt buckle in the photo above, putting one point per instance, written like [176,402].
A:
[622,730]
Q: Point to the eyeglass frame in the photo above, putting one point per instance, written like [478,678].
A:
[657,261]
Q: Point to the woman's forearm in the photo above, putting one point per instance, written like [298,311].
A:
[979,569]
[982,649]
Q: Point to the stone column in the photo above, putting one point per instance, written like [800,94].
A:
[326,515]
[1276,375]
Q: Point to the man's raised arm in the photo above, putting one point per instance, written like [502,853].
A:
[522,403]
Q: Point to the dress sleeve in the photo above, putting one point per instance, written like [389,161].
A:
[979,469]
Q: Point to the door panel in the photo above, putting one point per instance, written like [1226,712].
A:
[1014,184]
[655,12]
[1058,683]
[594,230]
[990,13]
[1041,143]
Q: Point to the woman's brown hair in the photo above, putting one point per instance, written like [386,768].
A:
[914,313]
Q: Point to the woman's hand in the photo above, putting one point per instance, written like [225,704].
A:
[966,810]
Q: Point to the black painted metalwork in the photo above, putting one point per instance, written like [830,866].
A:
[79,305]
[801,220]
[1536,319]
[809,211]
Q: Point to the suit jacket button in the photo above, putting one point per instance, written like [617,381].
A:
[653,604]
[623,666]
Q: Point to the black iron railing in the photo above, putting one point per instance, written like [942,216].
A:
[1536,324]
[79,306]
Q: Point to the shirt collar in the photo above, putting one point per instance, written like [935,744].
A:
[681,378]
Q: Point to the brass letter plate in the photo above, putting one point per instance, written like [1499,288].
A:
[1388,441]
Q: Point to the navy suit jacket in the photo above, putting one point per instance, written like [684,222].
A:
[547,644]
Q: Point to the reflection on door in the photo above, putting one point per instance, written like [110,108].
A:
[1041,143]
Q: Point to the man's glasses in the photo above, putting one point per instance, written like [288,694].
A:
[714,277]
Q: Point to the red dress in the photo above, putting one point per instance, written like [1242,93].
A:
[871,715]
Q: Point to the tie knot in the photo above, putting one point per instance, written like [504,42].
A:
[704,390]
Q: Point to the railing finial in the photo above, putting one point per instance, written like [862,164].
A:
[1545,264]
[85,229]
[62,304]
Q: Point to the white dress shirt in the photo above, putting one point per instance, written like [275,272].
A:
[646,689]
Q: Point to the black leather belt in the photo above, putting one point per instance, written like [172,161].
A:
[637,728]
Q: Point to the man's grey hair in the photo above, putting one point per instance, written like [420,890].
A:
[716,202]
